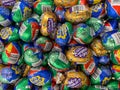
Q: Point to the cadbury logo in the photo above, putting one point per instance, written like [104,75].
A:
[50,25]
[81,52]
[8,2]
[74,82]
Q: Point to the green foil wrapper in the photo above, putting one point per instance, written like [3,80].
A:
[97,87]
[115,56]
[9,33]
[58,61]
[83,34]
[96,24]
[43,6]
[113,85]
[23,84]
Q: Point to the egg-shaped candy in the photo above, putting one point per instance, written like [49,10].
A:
[58,61]
[11,53]
[41,6]
[20,12]
[78,13]
[48,23]
[29,30]
[82,34]
[44,43]
[64,34]
[98,48]
[111,40]
[76,79]
[39,76]
[33,57]
[96,24]
[79,54]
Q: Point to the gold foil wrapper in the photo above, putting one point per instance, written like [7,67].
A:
[10,5]
[98,48]
[71,75]
[76,59]
[44,22]
[78,13]
[27,69]
[65,3]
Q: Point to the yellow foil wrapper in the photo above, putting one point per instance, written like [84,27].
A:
[76,79]
[47,19]
[98,48]
[27,69]
[79,55]
[8,3]
[78,13]
[65,3]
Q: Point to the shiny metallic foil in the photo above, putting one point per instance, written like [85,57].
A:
[48,19]
[65,3]
[98,48]
[77,56]
[78,13]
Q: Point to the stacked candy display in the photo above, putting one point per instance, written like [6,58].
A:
[59,45]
